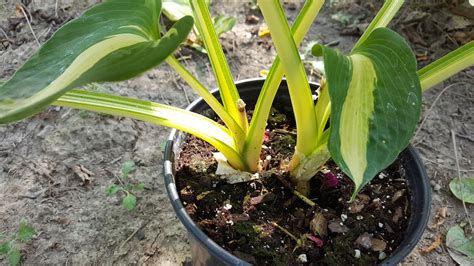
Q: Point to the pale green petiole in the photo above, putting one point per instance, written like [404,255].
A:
[215,105]
[322,108]
[225,82]
[382,19]
[264,103]
[447,66]
[300,93]
[198,125]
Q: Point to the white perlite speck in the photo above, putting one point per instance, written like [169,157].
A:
[356,253]
[343,217]
[302,258]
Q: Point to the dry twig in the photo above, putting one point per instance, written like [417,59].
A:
[21,8]
[453,137]
[432,106]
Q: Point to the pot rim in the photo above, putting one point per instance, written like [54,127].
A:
[403,250]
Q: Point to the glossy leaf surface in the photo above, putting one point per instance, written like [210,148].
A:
[375,103]
[112,41]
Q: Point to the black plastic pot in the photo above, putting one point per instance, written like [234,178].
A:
[207,252]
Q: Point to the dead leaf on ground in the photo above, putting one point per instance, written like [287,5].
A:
[397,215]
[83,173]
[319,225]
[252,19]
[422,57]
[359,203]
[440,216]
[434,245]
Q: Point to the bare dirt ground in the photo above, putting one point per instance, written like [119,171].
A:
[77,223]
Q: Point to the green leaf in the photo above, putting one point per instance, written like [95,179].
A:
[25,231]
[128,167]
[225,81]
[177,9]
[300,27]
[139,187]
[463,189]
[112,41]
[375,103]
[457,240]
[223,24]
[14,257]
[382,19]
[112,189]
[129,202]
[5,248]
[298,86]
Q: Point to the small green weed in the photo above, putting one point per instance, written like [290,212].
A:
[9,246]
[126,186]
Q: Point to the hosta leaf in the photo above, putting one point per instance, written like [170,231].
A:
[375,103]
[112,41]
[176,9]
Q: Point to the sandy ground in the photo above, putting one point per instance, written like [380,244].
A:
[77,223]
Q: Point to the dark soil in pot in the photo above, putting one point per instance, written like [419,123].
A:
[263,223]
[241,217]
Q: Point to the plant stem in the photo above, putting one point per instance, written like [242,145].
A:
[300,92]
[285,231]
[200,89]
[225,82]
[263,106]
[296,193]
[382,19]
[447,66]
[198,125]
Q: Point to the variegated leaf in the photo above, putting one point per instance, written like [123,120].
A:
[112,41]
[375,103]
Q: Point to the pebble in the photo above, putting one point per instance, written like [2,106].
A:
[382,176]
[437,187]
[303,258]
[364,240]
[382,255]
[336,227]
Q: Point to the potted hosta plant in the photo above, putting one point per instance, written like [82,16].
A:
[341,133]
